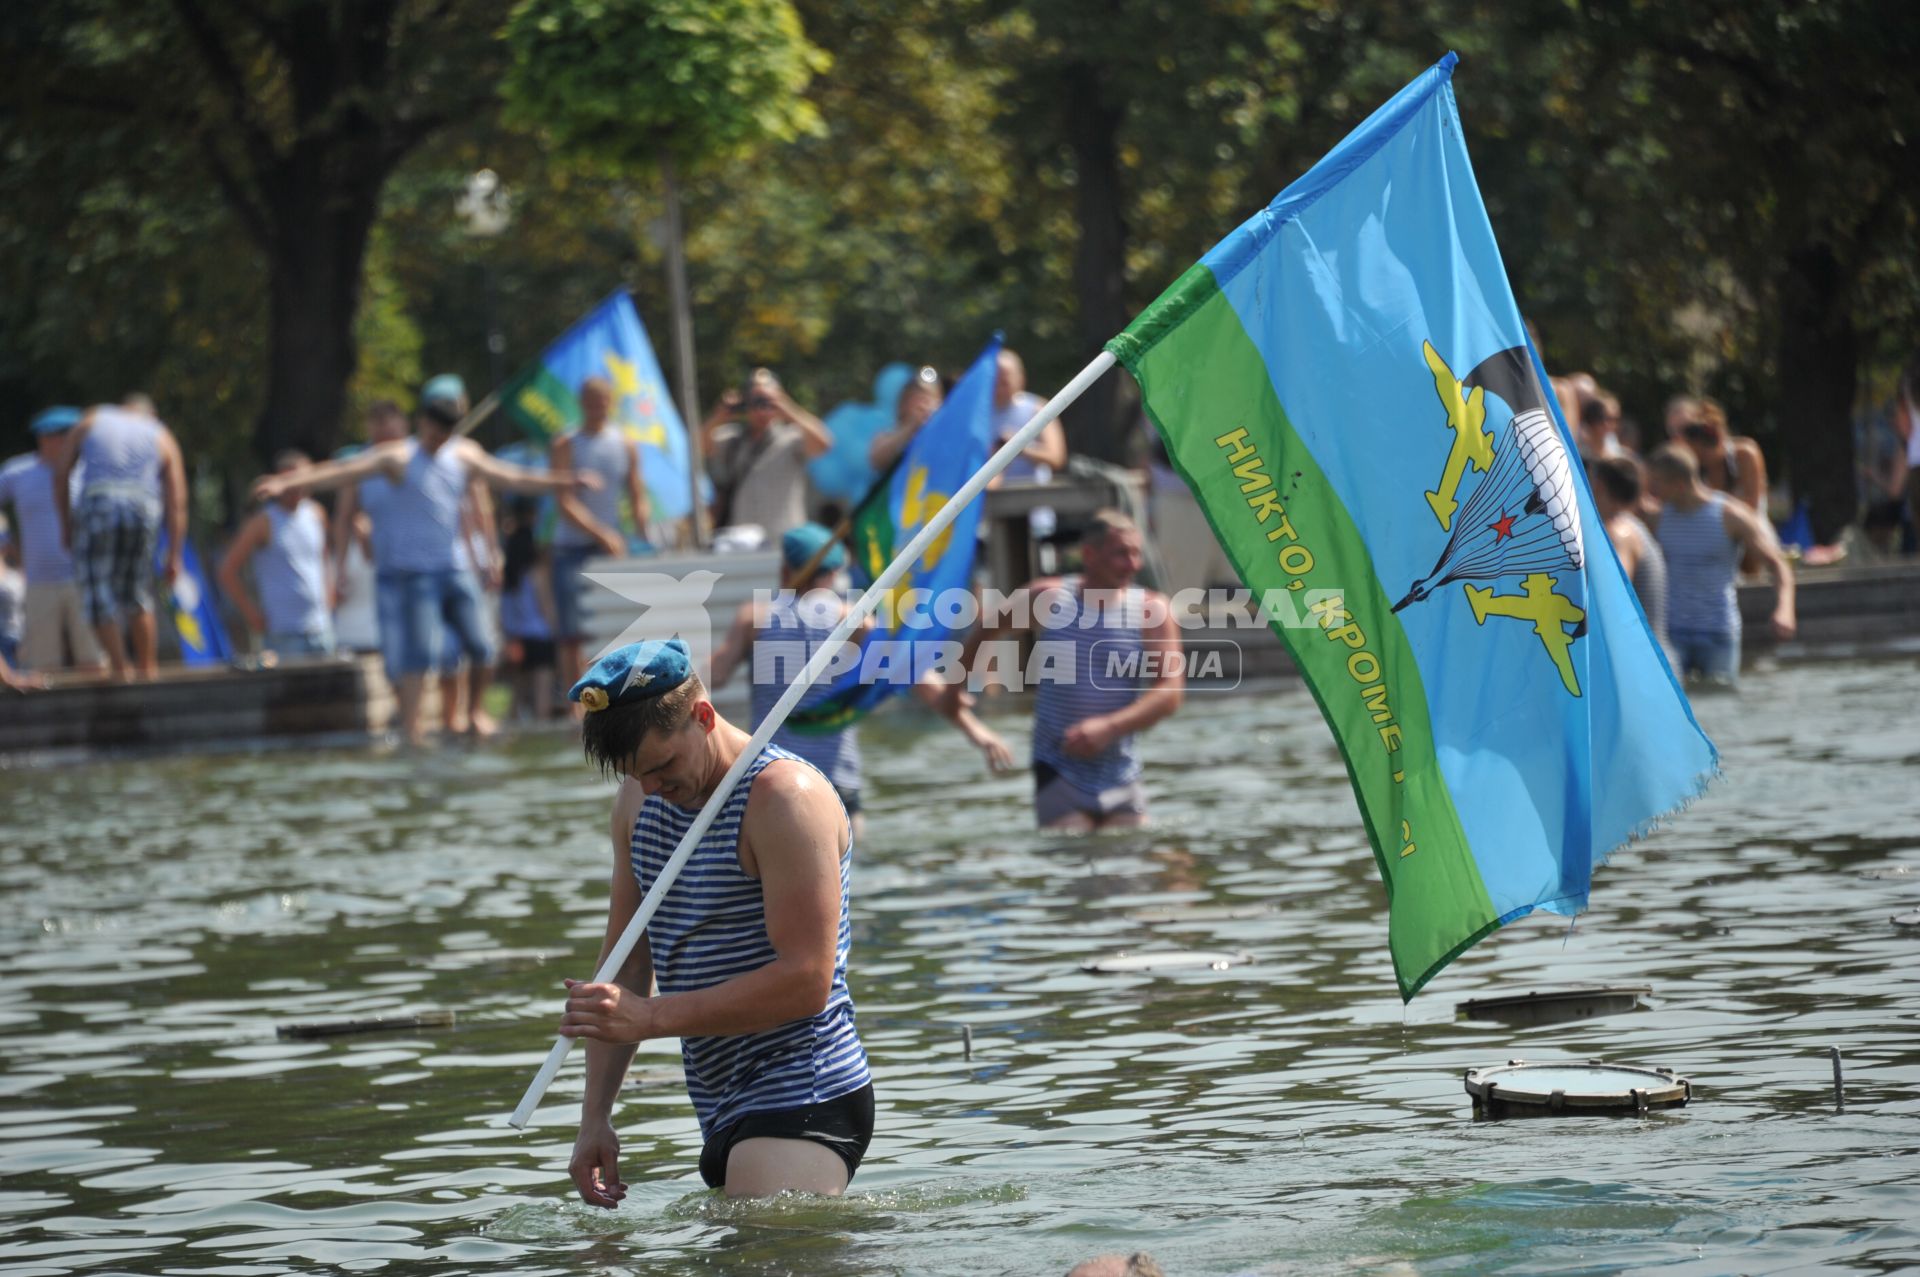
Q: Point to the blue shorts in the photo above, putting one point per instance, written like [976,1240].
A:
[570,623]
[1714,657]
[416,607]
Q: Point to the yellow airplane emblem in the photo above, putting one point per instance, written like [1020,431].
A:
[624,374]
[1550,613]
[917,509]
[655,434]
[1472,445]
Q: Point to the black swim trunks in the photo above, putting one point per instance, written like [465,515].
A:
[844,1125]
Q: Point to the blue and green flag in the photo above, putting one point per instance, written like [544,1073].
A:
[943,455]
[610,342]
[1346,385]
[191,609]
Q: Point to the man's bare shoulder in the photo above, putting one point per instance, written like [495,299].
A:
[793,796]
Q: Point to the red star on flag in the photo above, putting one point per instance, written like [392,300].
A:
[1503,529]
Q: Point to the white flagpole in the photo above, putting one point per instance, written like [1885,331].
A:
[617,956]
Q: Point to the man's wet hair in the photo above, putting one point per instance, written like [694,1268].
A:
[1620,476]
[1103,523]
[612,736]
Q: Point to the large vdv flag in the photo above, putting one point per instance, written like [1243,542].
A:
[609,341]
[1346,385]
[939,460]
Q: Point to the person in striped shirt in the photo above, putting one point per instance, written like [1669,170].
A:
[773,638]
[431,575]
[1107,665]
[749,946]
[1703,535]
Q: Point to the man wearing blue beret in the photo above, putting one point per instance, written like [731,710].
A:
[55,632]
[773,639]
[749,947]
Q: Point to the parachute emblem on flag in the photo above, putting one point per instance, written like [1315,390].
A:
[1522,517]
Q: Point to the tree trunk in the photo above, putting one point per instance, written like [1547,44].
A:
[1817,365]
[318,253]
[1099,262]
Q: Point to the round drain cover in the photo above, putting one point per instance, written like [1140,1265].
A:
[1518,1088]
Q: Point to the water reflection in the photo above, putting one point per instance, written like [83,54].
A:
[1286,1116]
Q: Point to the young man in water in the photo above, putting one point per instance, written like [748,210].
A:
[1114,669]
[749,947]
[1703,535]
[773,639]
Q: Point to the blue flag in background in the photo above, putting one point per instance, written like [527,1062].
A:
[610,342]
[943,455]
[190,608]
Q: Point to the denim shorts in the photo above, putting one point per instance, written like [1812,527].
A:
[1712,656]
[568,585]
[417,608]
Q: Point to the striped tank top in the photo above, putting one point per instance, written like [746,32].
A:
[121,453]
[1650,580]
[291,572]
[1701,562]
[425,512]
[606,453]
[375,496]
[1086,662]
[794,629]
[26,483]
[711,927]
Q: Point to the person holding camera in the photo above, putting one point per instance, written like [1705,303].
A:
[757,443]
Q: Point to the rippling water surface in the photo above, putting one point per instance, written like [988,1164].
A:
[159,917]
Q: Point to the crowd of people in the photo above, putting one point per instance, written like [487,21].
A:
[413,559]
[92,503]
[1686,518]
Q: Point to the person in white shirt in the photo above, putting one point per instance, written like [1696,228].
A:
[1014,407]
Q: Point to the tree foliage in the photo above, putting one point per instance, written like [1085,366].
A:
[621,82]
[1716,196]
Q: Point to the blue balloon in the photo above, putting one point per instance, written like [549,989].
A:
[842,473]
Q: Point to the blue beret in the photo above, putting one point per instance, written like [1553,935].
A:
[798,547]
[446,388]
[53,420]
[636,672]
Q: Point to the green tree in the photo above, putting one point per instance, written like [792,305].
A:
[296,111]
[622,83]
[627,86]
[1738,205]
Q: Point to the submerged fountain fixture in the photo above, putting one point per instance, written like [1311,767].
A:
[1554,1006]
[1560,1087]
